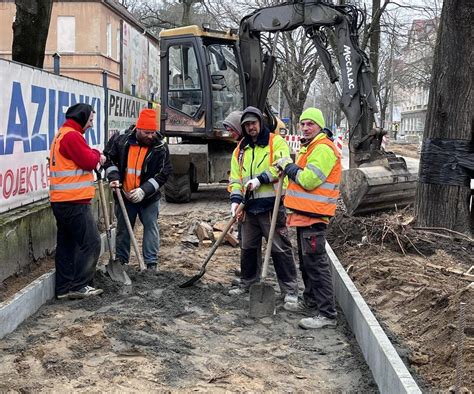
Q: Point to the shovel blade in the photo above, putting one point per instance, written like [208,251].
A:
[117,273]
[262,300]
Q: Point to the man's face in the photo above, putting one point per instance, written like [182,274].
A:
[146,137]
[252,128]
[89,122]
[309,129]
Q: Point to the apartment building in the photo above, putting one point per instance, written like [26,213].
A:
[417,60]
[91,37]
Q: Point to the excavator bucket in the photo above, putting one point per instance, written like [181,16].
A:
[382,185]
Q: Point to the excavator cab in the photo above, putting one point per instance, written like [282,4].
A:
[201,82]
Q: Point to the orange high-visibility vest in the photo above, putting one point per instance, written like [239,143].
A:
[67,182]
[136,156]
[323,199]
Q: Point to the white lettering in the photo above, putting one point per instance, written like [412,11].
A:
[349,71]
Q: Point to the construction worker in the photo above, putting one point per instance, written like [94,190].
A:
[232,125]
[251,169]
[139,160]
[311,199]
[71,166]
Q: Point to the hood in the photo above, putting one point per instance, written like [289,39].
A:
[79,113]
[233,120]
[263,136]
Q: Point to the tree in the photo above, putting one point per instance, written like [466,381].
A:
[30,31]
[441,198]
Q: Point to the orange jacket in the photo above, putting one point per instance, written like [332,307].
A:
[321,200]
[68,182]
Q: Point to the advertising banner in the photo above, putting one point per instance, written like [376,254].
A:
[135,62]
[123,111]
[33,104]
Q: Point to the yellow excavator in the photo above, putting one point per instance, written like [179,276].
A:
[206,74]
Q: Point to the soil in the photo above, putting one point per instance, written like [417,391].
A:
[157,336]
[408,150]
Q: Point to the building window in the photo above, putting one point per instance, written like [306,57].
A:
[66,34]
[109,40]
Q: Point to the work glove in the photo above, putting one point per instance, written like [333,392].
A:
[281,164]
[253,184]
[136,195]
[114,184]
[233,208]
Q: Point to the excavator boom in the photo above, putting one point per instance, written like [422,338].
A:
[376,179]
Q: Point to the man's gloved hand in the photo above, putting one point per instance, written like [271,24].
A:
[281,164]
[114,184]
[136,195]
[233,208]
[253,184]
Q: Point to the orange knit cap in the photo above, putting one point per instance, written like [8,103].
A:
[147,120]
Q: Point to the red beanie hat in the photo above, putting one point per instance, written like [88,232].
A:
[147,120]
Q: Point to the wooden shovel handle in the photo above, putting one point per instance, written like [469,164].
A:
[276,206]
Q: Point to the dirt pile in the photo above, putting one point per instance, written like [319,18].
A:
[414,281]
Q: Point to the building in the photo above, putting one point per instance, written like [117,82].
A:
[417,60]
[92,37]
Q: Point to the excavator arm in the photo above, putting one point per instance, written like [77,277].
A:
[362,192]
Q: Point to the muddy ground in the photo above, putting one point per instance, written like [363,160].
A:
[160,337]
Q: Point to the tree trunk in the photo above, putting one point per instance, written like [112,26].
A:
[375,44]
[449,117]
[30,31]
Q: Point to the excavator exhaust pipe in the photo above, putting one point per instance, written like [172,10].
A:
[386,184]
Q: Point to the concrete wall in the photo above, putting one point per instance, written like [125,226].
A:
[29,234]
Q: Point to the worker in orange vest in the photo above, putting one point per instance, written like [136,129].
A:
[311,199]
[139,161]
[71,186]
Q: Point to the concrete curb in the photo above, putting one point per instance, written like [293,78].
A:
[29,299]
[390,374]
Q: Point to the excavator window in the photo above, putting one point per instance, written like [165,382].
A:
[184,87]
[226,90]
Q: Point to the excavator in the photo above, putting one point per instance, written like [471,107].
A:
[206,74]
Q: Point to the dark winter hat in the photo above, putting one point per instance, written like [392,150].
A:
[249,118]
[80,113]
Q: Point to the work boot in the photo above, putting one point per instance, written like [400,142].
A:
[317,322]
[86,291]
[291,299]
[299,307]
[151,267]
[238,291]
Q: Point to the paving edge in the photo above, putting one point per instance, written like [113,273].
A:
[28,300]
[390,374]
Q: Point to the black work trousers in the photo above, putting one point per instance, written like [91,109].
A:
[315,269]
[254,227]
[77,246]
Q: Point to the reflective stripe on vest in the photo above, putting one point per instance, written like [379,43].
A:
[67,182]
[136,156]
[323,199]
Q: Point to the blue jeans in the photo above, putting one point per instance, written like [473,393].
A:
[148,215]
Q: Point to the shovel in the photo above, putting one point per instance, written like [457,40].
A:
[262,295]
[229,224]
[129,228]
[114,268]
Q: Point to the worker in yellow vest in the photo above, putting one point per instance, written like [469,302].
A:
[71,186]
[138,160]
[251,169]
[311,199]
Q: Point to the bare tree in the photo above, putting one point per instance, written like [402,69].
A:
[442,198]
[32,20]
